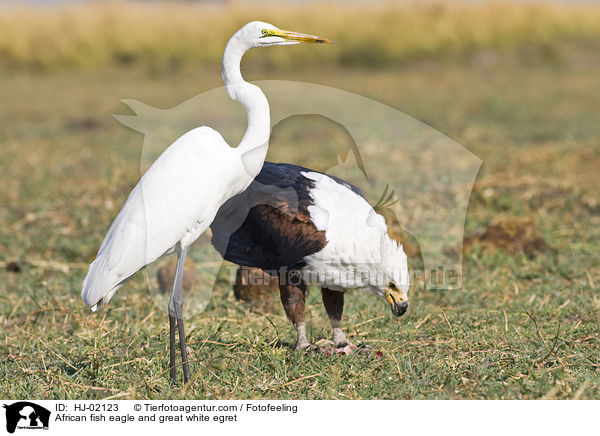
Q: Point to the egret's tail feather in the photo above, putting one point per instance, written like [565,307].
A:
[93,290]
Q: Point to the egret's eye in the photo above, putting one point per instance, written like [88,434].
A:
[267,32]
[392,285]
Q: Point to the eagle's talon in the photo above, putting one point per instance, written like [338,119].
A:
[348,349]
[304,346]
[343,344]
[364,350]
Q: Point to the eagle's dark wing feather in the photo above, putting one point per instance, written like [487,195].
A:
[268,226]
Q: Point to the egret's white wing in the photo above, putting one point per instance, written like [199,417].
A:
[175,200]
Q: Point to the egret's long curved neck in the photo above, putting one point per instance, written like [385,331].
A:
[253,148]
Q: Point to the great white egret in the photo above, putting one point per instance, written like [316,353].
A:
[176,200]
[306,227]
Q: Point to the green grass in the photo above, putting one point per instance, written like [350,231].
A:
[519,327]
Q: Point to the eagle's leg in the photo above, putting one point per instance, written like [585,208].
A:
[292,291]
[334,305]
[176,318]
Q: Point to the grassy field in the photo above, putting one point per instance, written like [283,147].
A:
[94,34]
[519,328]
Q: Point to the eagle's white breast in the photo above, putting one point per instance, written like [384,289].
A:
[354,233]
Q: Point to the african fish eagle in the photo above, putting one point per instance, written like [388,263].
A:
[306,227]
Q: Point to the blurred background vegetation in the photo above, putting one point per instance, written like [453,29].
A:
[514,82]
[178,34]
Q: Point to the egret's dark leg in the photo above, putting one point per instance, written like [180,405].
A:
[172,367]
[292,291]
[176,314]
[334,305]
[183,345]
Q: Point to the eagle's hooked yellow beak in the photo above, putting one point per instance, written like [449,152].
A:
[397,299]
[294,36]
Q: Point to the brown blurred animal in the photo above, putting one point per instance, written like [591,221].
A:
[166,276]
[258,289]
[513,235]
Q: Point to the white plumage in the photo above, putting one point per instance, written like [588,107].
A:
[359,253]
[176,200]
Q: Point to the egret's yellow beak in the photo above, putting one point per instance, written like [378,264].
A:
[294,36]
[398,301]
